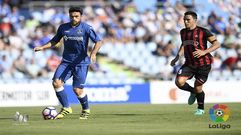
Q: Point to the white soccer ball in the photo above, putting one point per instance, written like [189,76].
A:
[219,113]
[49,113]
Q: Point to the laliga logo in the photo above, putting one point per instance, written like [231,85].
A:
[219,113]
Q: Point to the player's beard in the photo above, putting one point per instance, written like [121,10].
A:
[74,23]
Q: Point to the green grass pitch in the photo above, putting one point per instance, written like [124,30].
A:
[122,119]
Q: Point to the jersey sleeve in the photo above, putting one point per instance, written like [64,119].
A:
[207,33]
[58,35]
[92,34]
[181,34]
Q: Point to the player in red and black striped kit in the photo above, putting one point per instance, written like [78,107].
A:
[198,59]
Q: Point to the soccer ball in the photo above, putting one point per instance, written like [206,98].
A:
[219,113]
[49,113]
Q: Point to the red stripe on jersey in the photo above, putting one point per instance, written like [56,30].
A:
[190,51]
[183,34]
[194,38]
[195,44]
[201,46]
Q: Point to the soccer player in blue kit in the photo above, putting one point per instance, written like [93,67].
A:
[75,60]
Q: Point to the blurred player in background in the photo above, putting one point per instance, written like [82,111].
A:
[75,61]
[198,59]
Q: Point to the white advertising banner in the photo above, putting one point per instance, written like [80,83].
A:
[27,95]
[215,92]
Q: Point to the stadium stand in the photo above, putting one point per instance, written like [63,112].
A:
[141,41]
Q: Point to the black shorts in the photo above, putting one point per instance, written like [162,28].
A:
[199,72]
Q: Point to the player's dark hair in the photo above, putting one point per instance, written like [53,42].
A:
[193,14]
[75,9]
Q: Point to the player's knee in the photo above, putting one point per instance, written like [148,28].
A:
[78,91]
[198,90]
[179,83]
[57,83]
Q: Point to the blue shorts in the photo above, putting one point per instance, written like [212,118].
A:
[66,70]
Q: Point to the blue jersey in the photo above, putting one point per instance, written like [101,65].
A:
[76,39]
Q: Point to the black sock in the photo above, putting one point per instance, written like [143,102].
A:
[200,100]
[187,87]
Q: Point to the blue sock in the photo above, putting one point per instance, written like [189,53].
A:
[62,96]
[84,102]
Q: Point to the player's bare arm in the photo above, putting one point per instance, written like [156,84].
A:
[215,45]
[179,54]
[50,44]
[95,51]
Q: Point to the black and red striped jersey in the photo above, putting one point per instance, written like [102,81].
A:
[195,39]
